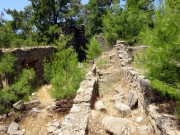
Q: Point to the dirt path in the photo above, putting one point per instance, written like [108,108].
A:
[37,125]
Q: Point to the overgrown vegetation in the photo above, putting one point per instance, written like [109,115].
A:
[162,57]
[93,50]
[63,73]
[20,90]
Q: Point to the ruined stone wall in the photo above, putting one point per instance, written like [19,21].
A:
[140,88]
[76,122]
[29,57]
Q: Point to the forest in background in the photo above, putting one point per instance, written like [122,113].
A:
[136,22]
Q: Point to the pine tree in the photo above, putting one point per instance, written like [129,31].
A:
[95,10]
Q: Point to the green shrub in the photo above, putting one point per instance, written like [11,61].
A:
[94,50]
[66,76]
[161,59]
[20,90]
[7,63]
[62,71]
[165,89]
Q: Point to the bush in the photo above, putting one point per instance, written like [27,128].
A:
[94,50]
[7,63]
[62,71]
[161,59]
[20,90]
[66,74]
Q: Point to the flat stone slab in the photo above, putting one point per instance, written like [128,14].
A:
[115,125]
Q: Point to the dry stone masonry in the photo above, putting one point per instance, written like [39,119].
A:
[76,122]
[142,96]
[29,57]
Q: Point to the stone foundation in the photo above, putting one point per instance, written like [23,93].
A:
[163,123]
[76,122]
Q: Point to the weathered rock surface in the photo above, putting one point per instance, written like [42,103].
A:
[54,127]
[132,99]
[32,104]
[122,107]
[99,105]
[139,119]
[115,125]
[17,133]
[19,105]
[76,122]
[12,128]
[145,130]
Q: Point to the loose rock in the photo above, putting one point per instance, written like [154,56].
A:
[12,127]
[32,104]
[115,125]
[122,107]
[139,119]
[19,105]
[100,106]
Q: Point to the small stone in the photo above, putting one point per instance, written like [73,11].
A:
[99,105]
[32,104]
[41,106]
[50,115]
[75,108]
[139,119]
[13,127]
[34,94]
[33,111]
[19,105]
[122,107]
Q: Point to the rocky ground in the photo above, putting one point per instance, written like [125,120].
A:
[112,114]
[37,120]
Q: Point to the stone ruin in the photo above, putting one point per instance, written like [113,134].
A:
[141,96]
[29,57]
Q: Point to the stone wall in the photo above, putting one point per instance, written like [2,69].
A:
[140,88]
[76,122]
[29,57]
